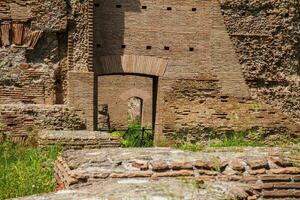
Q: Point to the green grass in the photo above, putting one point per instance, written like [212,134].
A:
[25,170]
[234,140]
[133,137]
[187,146]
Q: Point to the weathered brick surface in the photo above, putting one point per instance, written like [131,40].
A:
[113,91]
[74,166]
[194,110]
[81,95]
[22,120]
[266,38]
[203,84]
[26,84]
[77,139]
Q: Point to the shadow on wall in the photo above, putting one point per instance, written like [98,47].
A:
[109,31]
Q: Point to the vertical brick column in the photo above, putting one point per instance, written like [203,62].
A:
[70,51]
[224,59]
[164,117]
[158,123]
[91,35]
[81,95]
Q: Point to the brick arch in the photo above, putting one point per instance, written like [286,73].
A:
[135,92]
[133,64]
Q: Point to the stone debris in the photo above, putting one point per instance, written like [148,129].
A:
[75,169]
[141,188]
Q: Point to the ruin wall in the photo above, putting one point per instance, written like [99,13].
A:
[266,37]
[216,51]
[34,64]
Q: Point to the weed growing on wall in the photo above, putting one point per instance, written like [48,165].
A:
[25,170]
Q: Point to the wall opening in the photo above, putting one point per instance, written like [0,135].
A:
[59,93]
[126,99]
[135,111]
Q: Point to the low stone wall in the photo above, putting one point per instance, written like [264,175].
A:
[20,120]
[77,139]
[266,172]
[142,188]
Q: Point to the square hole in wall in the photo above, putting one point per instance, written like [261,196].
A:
[96,5]
[144,7]
[98,45]
[118,6]
[191,49]
[169,8]
[148,47]
[194,9]
[123,46]
[167,48]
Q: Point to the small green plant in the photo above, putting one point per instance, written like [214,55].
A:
[216,164]
[135,136]
[255,107]
[187,146]
[26,170]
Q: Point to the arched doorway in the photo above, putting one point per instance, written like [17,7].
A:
[125,99]
[120,77]
[135,111]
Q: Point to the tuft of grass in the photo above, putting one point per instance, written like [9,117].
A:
[187,146]
[216,164]
[197,184]
[26,170]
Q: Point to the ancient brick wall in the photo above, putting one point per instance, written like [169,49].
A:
[78,34]
[115,91]
[32,51]
[203,88]
[190,35]
[193,110]
[266,38]
[23,83]
[203,81]
[81,96]
[33,64]
[18,121]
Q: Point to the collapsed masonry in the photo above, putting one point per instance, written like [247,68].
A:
[62,62]
[264,172]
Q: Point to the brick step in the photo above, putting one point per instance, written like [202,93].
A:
[78,139]
[284,185]
[281,193]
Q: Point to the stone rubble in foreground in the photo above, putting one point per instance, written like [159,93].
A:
[165,173]
[143,188]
